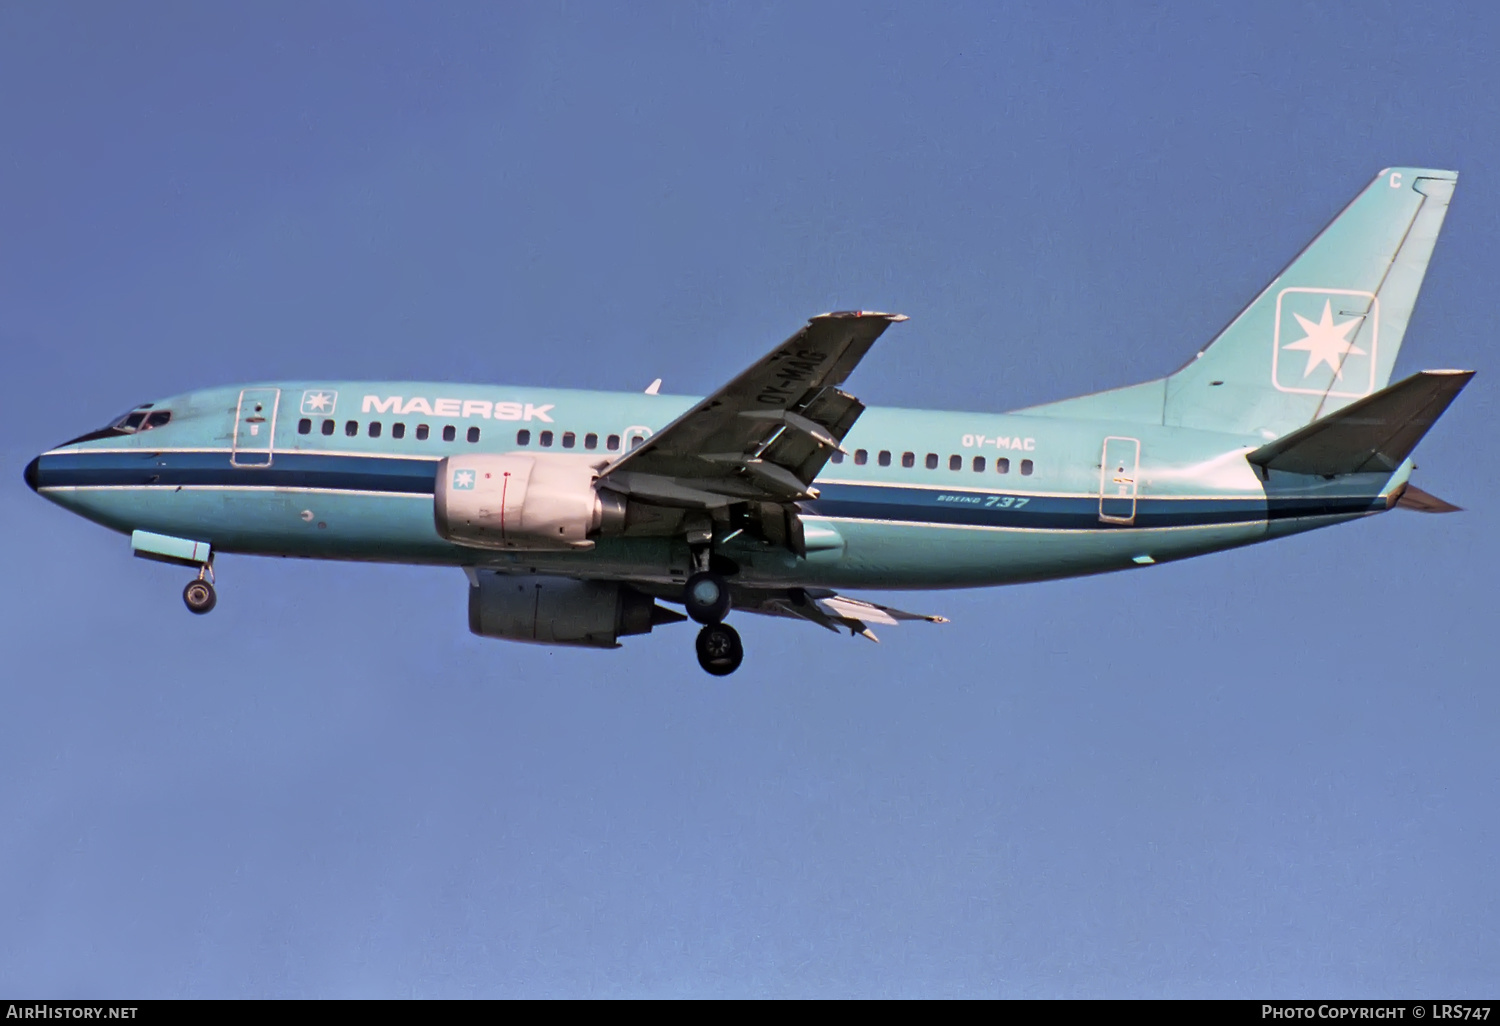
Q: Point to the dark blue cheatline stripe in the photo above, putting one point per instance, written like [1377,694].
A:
[396,474]
[288,470]
[1064,513]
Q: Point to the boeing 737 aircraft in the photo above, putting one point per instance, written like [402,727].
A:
[574,514]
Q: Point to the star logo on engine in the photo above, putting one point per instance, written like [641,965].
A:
[463,480]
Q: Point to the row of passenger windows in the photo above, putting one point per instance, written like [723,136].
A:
[523,437]
[909,459]
[612,443]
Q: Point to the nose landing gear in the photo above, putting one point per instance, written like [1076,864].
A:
[199,595]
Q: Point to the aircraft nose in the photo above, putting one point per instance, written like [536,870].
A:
[31,472]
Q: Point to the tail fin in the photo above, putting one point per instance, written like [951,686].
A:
[1371,435]
[1324,333]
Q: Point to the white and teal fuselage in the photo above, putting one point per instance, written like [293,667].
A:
[1100,495]
[780,490]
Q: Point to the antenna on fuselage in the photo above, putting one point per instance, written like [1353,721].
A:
[654,387]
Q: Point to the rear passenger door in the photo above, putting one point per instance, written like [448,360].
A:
[1118,469]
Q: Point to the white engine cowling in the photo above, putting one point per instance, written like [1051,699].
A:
[560,610]
[518,501]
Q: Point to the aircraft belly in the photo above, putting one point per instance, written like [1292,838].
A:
[275,522]
[970,546]
[927,556]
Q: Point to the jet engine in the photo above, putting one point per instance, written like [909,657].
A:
[516,501]
[561,611]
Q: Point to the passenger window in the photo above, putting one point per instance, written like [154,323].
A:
[635,441]
[837,457]
[157,419]
[885,457]
[932,461]
[569,438]
[908,459]
[1026,467]
[421,432]
[304,426]
[473,434]
[328,427]
[374,429]
[546,438]
[979,464]
[449,432]
[612,443]
[861,457]
[351,428]
[1002,465]
[523,437]
[591,441]
[398,430]
[955,463]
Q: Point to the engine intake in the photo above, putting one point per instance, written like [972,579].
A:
[561,611]
[517,501]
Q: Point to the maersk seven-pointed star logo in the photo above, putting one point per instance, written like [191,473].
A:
[463,480]
[1325,341]
[319,400]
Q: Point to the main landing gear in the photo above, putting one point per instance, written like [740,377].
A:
[199,594]
[719,649]
[706,598]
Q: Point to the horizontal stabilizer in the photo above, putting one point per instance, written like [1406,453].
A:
[1372,435]
[1413,497]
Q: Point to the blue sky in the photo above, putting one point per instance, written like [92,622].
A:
[1265,772]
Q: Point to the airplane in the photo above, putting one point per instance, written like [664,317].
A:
[575,514]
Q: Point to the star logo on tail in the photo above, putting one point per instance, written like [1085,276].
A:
[1326,342]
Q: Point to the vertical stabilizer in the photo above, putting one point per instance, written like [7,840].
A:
[1323,334]
[1327,329]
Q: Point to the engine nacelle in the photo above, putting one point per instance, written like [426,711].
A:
[519,501]
[561,611]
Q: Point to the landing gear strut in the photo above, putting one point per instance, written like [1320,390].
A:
[199,594]
[705,596]
[719,649]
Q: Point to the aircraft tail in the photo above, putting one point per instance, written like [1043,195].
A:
[1371,435]
[1324,333]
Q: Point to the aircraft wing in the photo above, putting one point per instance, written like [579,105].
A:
[765,435]
[828,609]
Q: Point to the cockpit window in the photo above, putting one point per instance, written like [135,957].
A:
[142,418]
[139,419]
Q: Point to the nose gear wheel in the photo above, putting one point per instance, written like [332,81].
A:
[199,596]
